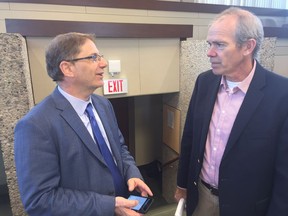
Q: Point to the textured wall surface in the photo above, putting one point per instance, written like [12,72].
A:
[15,100]
[193,61]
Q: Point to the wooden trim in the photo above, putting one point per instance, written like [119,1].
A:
[49,28]
[155,5]
[279,32]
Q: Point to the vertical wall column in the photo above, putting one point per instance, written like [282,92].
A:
[15,101]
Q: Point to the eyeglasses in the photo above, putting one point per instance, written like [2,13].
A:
[95,57]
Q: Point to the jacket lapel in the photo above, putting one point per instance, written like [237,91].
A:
[73,120]
[250,103]
[106,121]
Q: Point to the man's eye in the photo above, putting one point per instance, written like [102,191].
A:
[220,45]
[94,57]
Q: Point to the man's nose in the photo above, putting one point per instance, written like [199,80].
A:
[211,52]
[103,63]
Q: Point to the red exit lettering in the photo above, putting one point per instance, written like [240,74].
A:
[115,85]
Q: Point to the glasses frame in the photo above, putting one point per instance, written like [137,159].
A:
[95,57]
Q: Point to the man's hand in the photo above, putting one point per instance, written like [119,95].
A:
[123,207]
[180,193]
[138,185]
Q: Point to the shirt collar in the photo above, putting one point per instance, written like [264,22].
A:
[78,104]
[244,85]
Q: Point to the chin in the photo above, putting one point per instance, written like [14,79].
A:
[100,84]
[216,72]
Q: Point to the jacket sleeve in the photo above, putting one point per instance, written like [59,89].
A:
[186,142]
[279,201]
[38,174]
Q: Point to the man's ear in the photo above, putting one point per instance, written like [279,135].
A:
[66,68]
[249,46]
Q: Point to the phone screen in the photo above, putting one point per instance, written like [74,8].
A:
[143,203]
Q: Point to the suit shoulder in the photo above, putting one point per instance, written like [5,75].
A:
[208,76]
[100,100]
[40,108]
[277,76]
[277,80]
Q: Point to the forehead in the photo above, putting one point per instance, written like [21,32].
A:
[88,47]
[222,29]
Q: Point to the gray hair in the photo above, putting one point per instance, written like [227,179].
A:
[64,47]
[249,26]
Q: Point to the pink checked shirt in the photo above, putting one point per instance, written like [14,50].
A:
[226,108]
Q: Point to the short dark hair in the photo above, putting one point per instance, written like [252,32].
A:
[64,46]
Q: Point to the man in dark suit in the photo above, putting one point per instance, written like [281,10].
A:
[234,149]
[60,168]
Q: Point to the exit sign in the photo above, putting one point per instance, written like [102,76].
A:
[115,86]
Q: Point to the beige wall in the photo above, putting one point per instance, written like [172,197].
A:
[82,13]
[150,65]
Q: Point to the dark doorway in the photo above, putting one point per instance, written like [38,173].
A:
[121,108]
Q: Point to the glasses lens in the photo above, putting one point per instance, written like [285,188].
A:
[97,57]
[94,57]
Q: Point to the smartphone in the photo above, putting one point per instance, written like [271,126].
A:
[144,203]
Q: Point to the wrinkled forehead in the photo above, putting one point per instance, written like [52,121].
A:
[222,30]
[225,23]
[228,20]
[89,47]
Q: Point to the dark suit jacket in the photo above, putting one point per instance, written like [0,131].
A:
[60,170]
[253,175]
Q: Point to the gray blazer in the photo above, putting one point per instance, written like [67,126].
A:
[59,168]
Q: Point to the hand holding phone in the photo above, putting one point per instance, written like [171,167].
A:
[144,203]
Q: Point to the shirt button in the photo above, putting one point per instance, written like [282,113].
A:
[195,183]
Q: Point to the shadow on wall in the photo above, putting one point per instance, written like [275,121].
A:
[2,173]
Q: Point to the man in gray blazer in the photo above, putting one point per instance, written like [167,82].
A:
[234,153]
[60,168]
